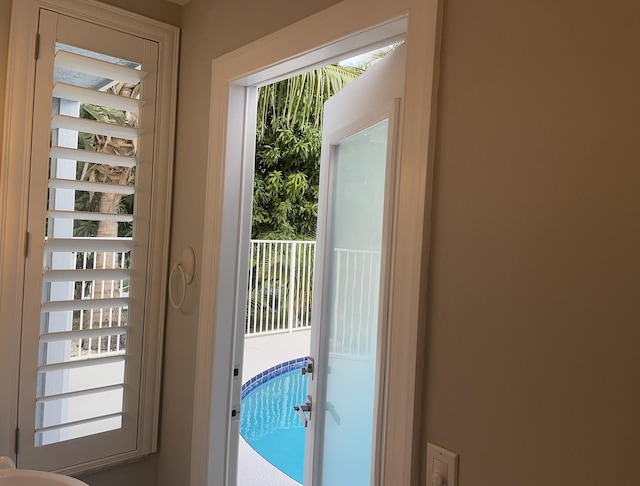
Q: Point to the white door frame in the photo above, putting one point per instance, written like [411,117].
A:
[349,27]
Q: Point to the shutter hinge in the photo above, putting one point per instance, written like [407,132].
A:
[17,444]
[37,53]
[26,244]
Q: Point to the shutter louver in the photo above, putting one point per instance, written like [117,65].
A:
[90,186]
[86,95]
[103,69]
[93,157]
[93,127]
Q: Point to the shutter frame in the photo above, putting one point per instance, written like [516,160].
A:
[25,20]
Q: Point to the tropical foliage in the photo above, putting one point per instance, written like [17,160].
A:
[288,142]
[109,203]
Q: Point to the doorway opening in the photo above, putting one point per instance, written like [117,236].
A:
[277,322]
[232,299]
[235,78]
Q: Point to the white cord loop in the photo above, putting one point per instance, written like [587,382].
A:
[183,281]
[187,268]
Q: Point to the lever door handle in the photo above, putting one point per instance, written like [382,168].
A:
[303,409]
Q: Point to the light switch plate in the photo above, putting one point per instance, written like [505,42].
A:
[442,462]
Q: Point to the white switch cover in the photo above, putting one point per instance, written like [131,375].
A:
[442,466]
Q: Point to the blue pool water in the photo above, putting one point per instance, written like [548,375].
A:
[268,422]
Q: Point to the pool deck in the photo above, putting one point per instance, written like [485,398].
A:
[261,353]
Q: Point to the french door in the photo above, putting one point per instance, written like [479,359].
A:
[346,380]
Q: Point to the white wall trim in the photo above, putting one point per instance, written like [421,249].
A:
[279,55]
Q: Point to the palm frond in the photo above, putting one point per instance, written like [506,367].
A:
[298,101]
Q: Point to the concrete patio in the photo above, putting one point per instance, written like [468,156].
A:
[261,353]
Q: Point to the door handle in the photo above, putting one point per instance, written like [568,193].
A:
[303,409]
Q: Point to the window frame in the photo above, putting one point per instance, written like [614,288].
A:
[14,182]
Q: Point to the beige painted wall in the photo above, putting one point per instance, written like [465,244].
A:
[5,17]
[161,10]
[534,364]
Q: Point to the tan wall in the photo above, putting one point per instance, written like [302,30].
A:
[534,362]
[5,17]
[163,11]
[143,472]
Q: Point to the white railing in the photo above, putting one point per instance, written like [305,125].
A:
[100,318]
[280,294]
[279,298]
[280,286]
[281,291]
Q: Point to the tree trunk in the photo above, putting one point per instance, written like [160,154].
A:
[109,204]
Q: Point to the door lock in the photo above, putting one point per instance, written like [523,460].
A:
[308,370]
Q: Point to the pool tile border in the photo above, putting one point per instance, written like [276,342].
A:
[277,370]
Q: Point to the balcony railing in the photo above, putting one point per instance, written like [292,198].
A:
[279,300]
[281,291]
[280,286]
[107,318]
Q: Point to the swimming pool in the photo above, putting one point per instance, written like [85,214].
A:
[267,420]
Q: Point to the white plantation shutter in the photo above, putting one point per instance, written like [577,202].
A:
[88,381]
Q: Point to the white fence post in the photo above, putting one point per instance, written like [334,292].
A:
[292,286]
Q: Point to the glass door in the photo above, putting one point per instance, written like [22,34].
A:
[344,406]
